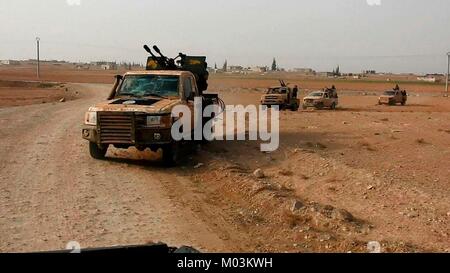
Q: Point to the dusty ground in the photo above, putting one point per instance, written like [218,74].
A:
[361,173]
[52,192]
[17,93]
[384,165]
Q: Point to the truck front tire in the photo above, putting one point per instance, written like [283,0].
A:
[171,155]
[97,152]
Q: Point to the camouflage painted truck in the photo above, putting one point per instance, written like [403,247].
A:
[327,98]
[282,96]
[393,97]
[138,110]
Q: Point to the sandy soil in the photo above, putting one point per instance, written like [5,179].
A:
[51,73]
[361,173]
[384,165]
[52,192]
[17,93]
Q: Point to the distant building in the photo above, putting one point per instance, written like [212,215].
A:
[304,71]
[9,62]
[427,79]
[258,69]
[325,74]
[105,65]
[235,69]
[369,72]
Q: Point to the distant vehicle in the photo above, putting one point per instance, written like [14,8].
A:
[282,96]
[392,97]
[327,98]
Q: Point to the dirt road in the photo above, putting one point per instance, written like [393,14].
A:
[52,192]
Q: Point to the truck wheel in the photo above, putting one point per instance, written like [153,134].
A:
[403,103]
[333,106]
[97,152]
[304,107]
[171,155]
[294,107]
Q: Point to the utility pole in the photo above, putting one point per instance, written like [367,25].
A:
[38,60]
[448,72]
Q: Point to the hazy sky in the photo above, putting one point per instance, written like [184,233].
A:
[394,36]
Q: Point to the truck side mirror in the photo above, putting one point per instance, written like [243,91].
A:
[191,96]
[113,92]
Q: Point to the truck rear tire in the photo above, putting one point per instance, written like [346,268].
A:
[96,152]
[333,106]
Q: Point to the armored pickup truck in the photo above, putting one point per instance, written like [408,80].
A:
[282,96]
[392,97]
[138,110]
[327,98]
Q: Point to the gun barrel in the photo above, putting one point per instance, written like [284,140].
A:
[155,48]
[147,49]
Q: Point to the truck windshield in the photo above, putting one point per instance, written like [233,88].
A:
[148,85]
[276,91]
[316,94]
[389,93]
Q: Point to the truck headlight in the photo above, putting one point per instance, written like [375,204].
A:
[90,118]
[159,121]
[153,120]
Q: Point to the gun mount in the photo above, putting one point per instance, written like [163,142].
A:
[195,64]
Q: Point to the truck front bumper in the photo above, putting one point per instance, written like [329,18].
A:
[271,103]
[141,136]
[312,104]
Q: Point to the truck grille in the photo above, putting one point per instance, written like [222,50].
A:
[116,127]
[272,98]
